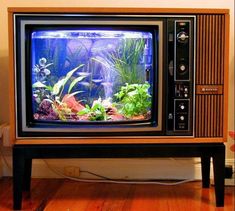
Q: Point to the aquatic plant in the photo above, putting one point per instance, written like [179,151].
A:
[41,70]
[123,63]
[125,60]
[134,99]
[96,112]
[55,93]
[58,88]
[63,111]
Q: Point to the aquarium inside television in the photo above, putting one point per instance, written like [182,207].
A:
[104,75]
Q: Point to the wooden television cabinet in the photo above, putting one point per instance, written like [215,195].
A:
[211,107]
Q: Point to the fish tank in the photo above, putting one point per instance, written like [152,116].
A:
[82,75]
[92,75]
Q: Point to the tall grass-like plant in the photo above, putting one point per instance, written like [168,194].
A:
[126,60]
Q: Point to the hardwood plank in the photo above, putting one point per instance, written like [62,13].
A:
[67,195]
[41,191]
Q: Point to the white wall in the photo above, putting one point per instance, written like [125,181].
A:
[124,167]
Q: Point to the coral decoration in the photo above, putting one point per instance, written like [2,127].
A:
[232,135]
[71,103]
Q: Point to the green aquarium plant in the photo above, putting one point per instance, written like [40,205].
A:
[97,112]
[57,89]
[134,99]
[125,60]
[54,94]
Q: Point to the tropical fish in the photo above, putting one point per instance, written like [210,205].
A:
[83,73]
[84,84]
[97,80]
[107,84]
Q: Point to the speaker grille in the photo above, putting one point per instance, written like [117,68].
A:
[209,71]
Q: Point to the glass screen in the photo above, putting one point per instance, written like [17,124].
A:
[91,75]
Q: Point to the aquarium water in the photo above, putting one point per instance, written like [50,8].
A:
[91,75]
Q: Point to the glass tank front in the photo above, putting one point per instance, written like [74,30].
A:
[91,75]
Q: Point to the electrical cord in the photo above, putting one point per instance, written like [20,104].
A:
[109,180]
[94,174]
[103,179]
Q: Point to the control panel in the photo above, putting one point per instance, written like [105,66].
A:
[180,76]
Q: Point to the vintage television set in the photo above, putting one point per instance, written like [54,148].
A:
[104,75]
[118,78]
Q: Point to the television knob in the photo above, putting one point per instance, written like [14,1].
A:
[182,37]
[182,68]
[182,118]
[182,107]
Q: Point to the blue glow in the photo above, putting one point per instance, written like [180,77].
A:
[78,34]
[77,69]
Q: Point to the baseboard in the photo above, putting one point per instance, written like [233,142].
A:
[169,168]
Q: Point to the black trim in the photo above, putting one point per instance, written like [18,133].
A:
[24,154]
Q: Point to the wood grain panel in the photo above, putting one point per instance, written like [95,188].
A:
[209,75]
[210,50]
[209,113]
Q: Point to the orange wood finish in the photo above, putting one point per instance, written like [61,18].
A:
[119,10]
[212,64]
[11,80]
[59,194]
[117,140]
[211,74]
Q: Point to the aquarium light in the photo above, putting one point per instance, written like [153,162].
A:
[43,34]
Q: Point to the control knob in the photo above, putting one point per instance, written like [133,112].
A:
[182,107]
[182,68]
[182,37]
[182,118]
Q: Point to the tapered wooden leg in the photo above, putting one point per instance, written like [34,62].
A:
[219,171]
[205,161]
[27,174]
[18,176]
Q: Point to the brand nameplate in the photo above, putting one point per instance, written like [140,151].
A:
[209,89]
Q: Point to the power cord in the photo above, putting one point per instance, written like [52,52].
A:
[109,180]
[103,179]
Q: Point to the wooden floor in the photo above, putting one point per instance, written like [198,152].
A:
[66,195]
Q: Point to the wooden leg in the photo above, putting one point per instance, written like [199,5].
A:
[205,161]
[18,176]
[27,174]
[219,171]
